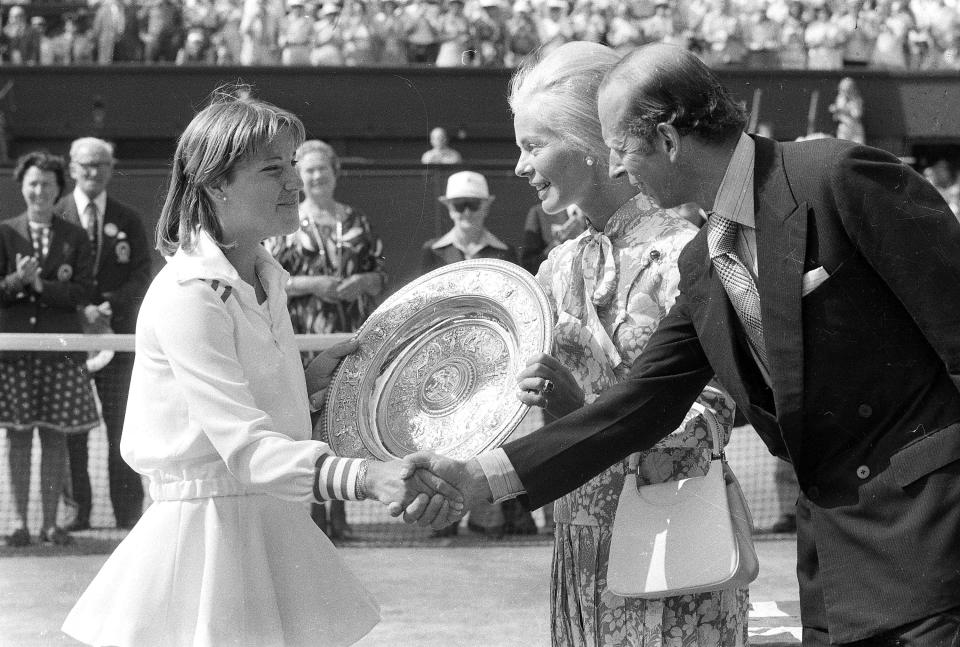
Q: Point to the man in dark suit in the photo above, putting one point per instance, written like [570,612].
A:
[122,273]
[824,294]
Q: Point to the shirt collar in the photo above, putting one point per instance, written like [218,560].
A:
[82,201]
[488,240]
[206,261]
[735,196]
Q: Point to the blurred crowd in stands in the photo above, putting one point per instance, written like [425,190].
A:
[791,34]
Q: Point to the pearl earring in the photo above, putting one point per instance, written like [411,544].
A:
[589,161]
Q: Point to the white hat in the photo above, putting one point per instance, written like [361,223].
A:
[467,184]
[329,8]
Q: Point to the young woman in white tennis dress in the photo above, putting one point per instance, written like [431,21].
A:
[218,420]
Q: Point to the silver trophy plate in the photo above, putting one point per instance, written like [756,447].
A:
[437,364]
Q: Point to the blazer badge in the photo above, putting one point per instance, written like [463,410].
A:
[64,272]
[122,249]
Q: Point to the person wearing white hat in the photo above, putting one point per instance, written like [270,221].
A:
[468,201]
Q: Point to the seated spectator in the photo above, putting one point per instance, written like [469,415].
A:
[15,33]
[227,41]
[522,37]
[555,26]
[259,33]
[196,50]
[859,35]
[162,22]
[824,40]
[490,31]
[624,33]
[109,24]
[70,46]
[359,35]
[440,151]
[760,33]
[889,51]
[296,35]
[456,34]
[589,22]
[327,41]
[793,47]
[421,32]
[388,26]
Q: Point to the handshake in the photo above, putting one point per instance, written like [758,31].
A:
[426,488]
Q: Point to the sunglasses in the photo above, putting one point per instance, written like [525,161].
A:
[462,205]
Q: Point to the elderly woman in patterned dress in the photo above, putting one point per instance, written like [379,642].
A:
[336,268]
[610,287]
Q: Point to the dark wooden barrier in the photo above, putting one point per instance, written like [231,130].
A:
[401,203]
[378,114]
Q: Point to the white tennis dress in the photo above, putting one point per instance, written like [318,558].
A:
[218,419]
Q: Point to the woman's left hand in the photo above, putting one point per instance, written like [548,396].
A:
[319,372]
[547,383]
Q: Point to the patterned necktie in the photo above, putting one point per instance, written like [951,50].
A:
[736,280]
[93,230]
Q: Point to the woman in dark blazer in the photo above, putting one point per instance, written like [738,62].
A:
[46,272]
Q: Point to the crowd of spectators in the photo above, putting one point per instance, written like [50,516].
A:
[797,34]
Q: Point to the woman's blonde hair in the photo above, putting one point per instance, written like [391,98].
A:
[233,127]
[563,86]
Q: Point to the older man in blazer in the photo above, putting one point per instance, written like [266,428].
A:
[121,258]
[824,293]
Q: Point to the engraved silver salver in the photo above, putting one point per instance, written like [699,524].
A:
[437,364]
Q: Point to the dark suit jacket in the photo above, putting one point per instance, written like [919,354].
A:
[66,276]
[865,374]
[123,272]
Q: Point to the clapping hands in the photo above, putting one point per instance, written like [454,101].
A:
[28,270]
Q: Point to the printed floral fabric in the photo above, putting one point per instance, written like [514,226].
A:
[324,251]
[600,330]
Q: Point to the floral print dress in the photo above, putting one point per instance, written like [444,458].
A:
[343,250]
[610,290]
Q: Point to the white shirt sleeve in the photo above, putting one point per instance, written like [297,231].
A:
[200,346]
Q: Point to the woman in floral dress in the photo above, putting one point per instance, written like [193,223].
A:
[610,287]
[336,268]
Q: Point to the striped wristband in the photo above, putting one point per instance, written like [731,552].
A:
[336,478]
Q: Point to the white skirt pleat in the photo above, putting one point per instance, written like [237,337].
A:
[237,571]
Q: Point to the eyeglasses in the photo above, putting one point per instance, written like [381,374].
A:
[462,205]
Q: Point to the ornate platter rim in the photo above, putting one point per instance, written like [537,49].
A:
[346,415]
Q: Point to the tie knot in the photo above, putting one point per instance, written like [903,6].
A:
[721,234]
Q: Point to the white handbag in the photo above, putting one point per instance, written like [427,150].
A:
[686,536]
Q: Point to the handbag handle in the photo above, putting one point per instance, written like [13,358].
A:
[716,450]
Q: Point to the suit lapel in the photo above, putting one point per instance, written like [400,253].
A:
[781,249]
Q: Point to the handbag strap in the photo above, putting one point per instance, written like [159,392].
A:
[713,424]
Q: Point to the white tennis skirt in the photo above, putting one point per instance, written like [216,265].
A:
[249,570]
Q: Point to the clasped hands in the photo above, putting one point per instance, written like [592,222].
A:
[433,490]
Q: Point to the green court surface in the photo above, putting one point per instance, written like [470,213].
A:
[467,591]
